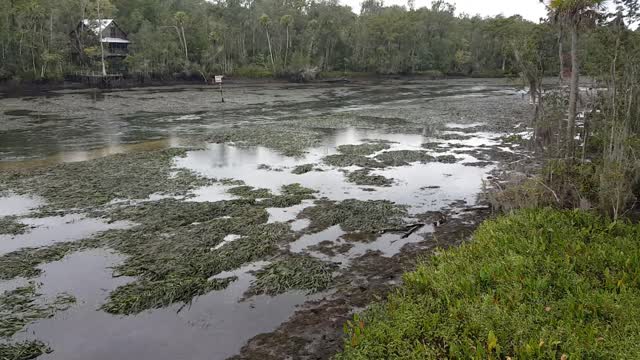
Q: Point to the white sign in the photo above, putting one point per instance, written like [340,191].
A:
[218,79]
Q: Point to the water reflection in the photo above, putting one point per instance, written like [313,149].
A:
[456,181]
[214,326]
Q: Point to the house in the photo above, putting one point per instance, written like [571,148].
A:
[86,43]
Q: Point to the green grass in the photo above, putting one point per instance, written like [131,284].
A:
[540,284]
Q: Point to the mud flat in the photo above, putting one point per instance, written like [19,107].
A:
[177,227]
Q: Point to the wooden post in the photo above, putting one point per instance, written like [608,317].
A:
[218,79]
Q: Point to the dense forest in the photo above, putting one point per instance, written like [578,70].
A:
[267,37]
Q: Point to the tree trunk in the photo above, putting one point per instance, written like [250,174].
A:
[273,64]
[561,55]
[104,68]
[186,49]
[286,53]
[573,96]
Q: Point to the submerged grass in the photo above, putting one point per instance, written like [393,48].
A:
[363,149]
[540,284]
[290,141]
[174,251]
[354,215]
[363,177]
[9,226]
[404,157]
[25,262]
[27,350]
[97,182]
[293,273]
[19,307]
[344,160]
[302,169]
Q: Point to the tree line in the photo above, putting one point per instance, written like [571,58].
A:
[271,37]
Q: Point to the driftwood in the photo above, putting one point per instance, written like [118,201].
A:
[476,208]
[407,230]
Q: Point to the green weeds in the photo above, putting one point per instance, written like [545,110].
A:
[363,177]
[344,160]
[97,182]
[9,226]
[293,273]
[302,169]
[27,350]
[540,284]
[355,215]
[19,308]
[285,140]
[363,149]
[404,157]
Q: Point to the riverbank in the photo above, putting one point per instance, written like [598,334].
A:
[536,284]
[33,88]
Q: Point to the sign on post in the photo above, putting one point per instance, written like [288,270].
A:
[218,80]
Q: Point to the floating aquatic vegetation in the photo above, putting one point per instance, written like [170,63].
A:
[250,192]
[453,136]
[363,149]
[447,159]
[148,294]
[27,350]
[478,163]
[24,262]
[174,253]
[354,215]
[363,177]
[286,140]
[404,157]
[9,226]
[435,147]
[97,182]
[330,248]
[293,273]
[302,169]
[19,308]
[343,160]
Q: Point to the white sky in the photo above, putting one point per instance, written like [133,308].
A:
[529,9]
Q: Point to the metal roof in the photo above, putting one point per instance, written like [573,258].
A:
[115,40]
[97,26]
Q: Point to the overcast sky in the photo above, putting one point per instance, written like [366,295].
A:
[529,9]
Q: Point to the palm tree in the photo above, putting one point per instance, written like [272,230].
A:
[286,21]
[574,14]
[265,21]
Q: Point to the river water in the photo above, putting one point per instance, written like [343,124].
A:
[80,125]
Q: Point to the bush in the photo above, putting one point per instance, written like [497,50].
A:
[434,74]
[253,72]
[540,284]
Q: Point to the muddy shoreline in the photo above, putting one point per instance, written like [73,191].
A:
[207,213]
[38,88]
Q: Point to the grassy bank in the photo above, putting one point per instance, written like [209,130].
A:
[539,284]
